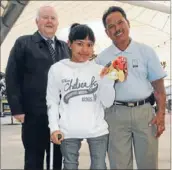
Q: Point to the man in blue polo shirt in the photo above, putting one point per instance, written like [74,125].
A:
[132,119]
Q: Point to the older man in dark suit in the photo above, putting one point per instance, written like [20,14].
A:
[26,81]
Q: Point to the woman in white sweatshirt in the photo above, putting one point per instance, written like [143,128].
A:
[76,98]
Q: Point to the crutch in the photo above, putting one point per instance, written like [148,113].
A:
[51,155]
[52,152]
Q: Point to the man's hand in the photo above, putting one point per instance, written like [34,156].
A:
[54,137]
[160,97]
[20,117]
[159,121]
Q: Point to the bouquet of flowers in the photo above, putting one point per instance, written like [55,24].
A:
[116,70]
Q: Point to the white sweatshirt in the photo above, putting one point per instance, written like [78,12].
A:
[83,96]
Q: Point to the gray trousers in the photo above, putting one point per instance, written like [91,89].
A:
[128,128]
[97,146]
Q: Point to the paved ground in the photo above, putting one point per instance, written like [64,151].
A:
[12,149]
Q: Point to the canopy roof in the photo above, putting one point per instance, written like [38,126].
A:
[148,24]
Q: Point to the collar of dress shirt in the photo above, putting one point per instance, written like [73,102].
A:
[45,37]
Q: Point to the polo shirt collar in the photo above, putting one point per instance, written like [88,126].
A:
[129,49]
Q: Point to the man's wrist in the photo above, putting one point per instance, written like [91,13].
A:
[161,113]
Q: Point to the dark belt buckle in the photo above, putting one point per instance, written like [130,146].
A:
[130,104]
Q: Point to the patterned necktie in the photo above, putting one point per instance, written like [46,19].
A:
[51,49]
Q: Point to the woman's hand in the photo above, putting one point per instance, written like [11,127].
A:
[104,72]
[57,137]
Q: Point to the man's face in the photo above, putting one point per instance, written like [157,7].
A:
[82,50]
[117,27]
[47,22]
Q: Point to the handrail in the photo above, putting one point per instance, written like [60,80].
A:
[10,15]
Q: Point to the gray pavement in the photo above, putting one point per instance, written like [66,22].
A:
[12,149]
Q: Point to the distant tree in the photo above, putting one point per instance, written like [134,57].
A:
[2,85]
[164,64]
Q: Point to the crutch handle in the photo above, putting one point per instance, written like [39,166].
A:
[59,136]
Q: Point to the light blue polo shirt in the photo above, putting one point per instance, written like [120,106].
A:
[143,67]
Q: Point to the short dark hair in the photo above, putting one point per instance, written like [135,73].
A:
[80,32]
[111,10]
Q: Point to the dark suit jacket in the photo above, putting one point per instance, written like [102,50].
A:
[27,72]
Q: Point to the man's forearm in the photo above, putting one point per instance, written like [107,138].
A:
[160,95]
[161,103]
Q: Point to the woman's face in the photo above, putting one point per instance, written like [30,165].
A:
[82,50]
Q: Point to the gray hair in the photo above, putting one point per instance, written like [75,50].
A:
[37,14]
[39,9]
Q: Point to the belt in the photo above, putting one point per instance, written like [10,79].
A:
[132,104]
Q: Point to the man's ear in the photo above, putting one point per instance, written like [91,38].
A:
[128,23]
[36,21]
[107,32]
